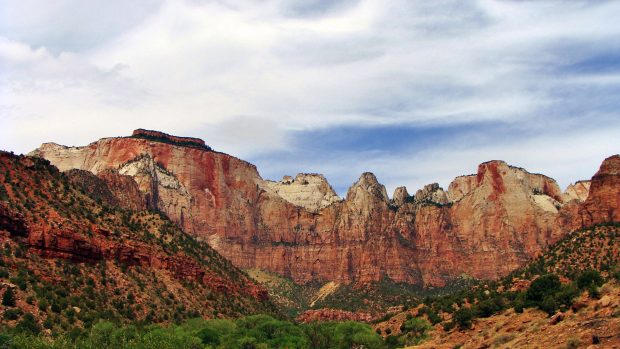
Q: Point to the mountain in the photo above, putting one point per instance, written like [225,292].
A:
[484,226]
[77,248]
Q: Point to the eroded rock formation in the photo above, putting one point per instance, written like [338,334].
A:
[310,191]
[485,225]
[578,191]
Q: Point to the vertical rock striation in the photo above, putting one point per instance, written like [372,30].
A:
[484,226]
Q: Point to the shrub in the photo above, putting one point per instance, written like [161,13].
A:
[542,287]
[416,326]
[463,317]
[489,307]
[447,326]
[594,292]
[548,305]
[28,324]
[12,314]
[573,343]
[8,299]
[589,278]
[433,317]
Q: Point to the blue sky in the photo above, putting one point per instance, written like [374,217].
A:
[414,91]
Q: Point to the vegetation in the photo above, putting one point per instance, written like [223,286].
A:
[414,331]
[8,299]
[555,280]
[252,332]
[64,294]
[374,297]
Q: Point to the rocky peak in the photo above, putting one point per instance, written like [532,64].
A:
[460,187]
[308,190]
[431,193]
[400,196]
[492,172]
[497,179]
[610,166]
[367,186]
[603,202]
[577,191]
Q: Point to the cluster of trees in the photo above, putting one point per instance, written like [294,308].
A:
[546,293]
[251,332]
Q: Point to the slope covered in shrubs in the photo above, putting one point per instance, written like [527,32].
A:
[574,267]
[68,260]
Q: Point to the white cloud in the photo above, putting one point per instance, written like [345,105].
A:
[246,74]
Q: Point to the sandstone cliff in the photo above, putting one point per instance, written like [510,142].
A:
[46,216]
[485,225]
[310,191]
[577,191]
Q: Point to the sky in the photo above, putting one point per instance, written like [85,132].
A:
[414,91]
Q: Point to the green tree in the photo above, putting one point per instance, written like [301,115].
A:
[28,324]
[414,331]
[589,278]
[351,334]
[463,317]
[8,299]
[542,287]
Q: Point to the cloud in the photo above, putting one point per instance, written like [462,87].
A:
[256,78]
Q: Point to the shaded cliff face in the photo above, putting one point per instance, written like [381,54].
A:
[484,226]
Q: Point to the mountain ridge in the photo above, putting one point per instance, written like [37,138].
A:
[502,213]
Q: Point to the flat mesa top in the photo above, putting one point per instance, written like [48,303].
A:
[164,137]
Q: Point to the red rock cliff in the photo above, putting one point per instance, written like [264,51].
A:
[486,225]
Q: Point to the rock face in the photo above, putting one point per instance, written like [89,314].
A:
[460,187]
[110,187]
[432,193]
[578,191]
[400,196]
[50,215]
[310,191]
[484,226]
[603,202]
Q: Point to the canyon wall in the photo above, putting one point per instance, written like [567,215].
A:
[484,226]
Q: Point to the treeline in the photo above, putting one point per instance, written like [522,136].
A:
[251,332]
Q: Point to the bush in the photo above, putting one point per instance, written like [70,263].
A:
[416,326]
[463,317]
[448,326]
[12,314]
[589,278]
[209,335]
[548,305]
[8,299]
[433,317]
[489,307]
[594,292]
[542,287]
[28,324]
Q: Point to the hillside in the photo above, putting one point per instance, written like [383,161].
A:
[571,306]
[70,258]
